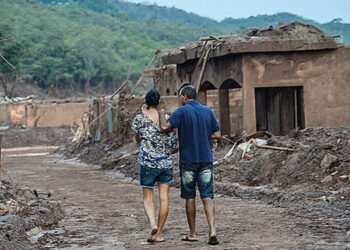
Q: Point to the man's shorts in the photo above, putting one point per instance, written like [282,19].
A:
[149,176]
[193,173]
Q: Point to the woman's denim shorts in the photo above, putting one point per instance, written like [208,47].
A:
[149,176]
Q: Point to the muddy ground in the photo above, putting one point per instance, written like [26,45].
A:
[104,211]
[21,137]
[313,180]
[258,206]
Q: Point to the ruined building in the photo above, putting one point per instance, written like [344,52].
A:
[281,78]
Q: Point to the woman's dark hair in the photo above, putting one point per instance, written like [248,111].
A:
[152,98]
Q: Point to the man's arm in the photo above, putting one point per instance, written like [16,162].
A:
[164,125]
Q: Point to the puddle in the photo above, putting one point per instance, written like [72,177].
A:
[118,175]
[30,149]
[36,237]
[72,161]
[28,155]
[2,128]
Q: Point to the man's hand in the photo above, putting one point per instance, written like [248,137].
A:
[143,108]
[216,135]
[164,125]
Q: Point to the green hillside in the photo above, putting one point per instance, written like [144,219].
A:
[228,25]
[76,45]
[74,48]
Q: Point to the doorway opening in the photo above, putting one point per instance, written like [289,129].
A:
[279,110]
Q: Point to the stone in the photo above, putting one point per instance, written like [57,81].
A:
[34,231]
[344,177]
[334,173]
[327,161]
[323,198]
[331,198]
[327,179]
[326,146]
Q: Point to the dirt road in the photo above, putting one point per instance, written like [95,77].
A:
[106,212]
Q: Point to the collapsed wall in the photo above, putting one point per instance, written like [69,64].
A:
[43,114]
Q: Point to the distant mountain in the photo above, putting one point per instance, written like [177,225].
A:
[79,45]
[139,11]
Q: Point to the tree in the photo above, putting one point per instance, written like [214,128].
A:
[9,53]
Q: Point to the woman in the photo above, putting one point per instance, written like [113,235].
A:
[156,163]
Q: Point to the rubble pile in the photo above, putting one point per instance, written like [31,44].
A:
[321,159]
[24,214]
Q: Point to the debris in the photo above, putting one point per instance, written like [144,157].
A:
[83,131]
[327,179]
[258,134]
[275,148]
[343,177]
[323,198]
[249,156]
[230,152]
[244,147]
[11,206]
[326,146]
[18,99]
[121,88]
[327,161]
[112,162]
[331,199]
[226,139]
[156,53]
[334,173]
[34,231]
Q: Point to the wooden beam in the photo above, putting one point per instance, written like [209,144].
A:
[120,88]
[0,161]
[143,75]
[203,68]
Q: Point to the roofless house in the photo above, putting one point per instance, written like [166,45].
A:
[289,76]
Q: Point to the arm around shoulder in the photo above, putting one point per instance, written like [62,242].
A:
[164,125]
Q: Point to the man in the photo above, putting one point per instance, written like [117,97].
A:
[197,126]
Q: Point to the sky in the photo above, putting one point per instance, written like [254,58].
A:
[319,10]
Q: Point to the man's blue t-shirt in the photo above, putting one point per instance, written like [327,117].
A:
[196,123]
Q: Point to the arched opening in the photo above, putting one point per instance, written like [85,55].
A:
[202,93]
[230,107]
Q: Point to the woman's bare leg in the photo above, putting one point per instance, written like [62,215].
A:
[163,209]
[149,210]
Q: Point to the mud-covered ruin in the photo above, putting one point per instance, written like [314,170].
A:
[289,76]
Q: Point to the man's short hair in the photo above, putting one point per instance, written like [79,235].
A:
[189,91]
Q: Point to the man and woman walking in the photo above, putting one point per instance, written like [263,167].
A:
[196,126]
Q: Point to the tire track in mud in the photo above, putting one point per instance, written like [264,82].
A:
[104,212]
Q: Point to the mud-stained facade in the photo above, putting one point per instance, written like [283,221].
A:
[282,78]
[43,114]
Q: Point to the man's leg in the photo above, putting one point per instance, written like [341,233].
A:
[188,192]
[210,213]
[163,209]
[191,217]
[206,189]
[149,210]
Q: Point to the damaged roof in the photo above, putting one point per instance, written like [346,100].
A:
[284,37]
